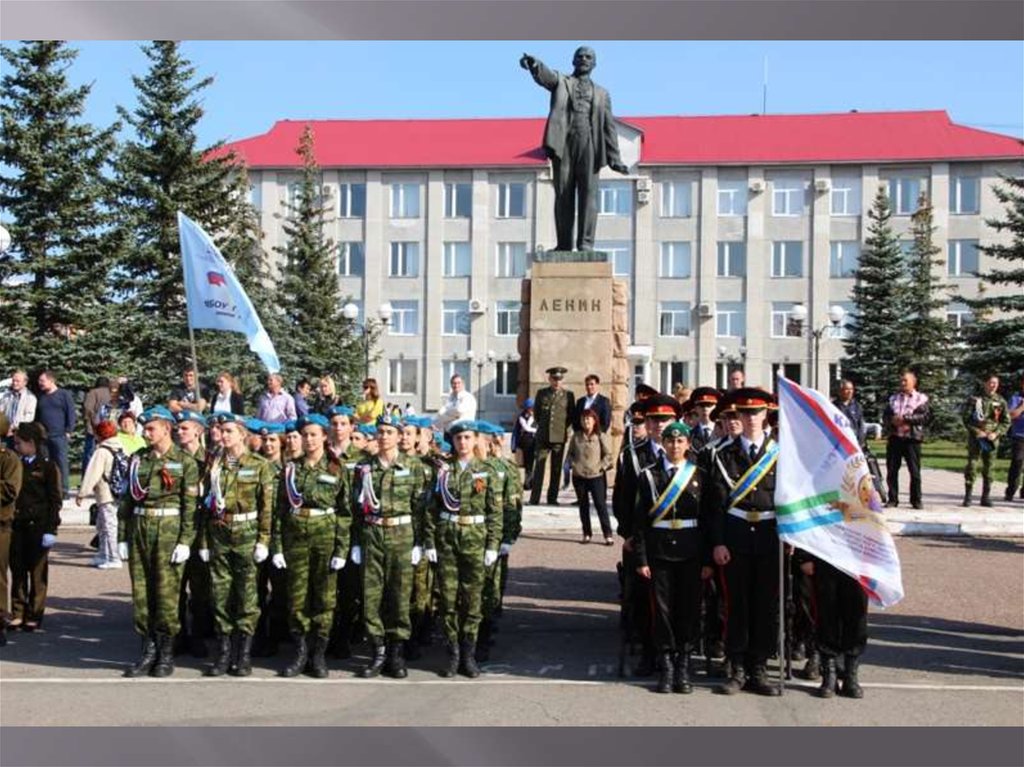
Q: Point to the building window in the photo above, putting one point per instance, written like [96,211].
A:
[674,318]
[506,318]
[351,259]
[788,195]
[455,318]
[615,198]
[511,200]
[791,370]
[511,259]
[904,192]
[732,259]
[964,194]
[405,201]
[846,192]
[673,373]
[959,316]
[676,199]
[402,376]
[352,200]
[620,253]
[294,192]
[732,198]
[405,321]
[256,195]
[506,378]
[676,260]
[783,324]
[787,258]
[451,368]
[845,258]
[458,259]
[906,251]
[963,258]
[730,319]
[405,259]
[458,200]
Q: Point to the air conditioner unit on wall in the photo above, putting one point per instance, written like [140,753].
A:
[643,196]
[643,184]
[756,186]
[476,306]
[325,190]
[704,310]
[821,185]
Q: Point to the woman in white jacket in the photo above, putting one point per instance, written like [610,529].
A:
[97,483]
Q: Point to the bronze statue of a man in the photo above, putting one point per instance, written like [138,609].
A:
[580,139]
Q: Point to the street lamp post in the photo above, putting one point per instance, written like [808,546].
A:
[351,313]
[835,316]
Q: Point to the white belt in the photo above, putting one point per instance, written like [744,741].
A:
[752,516]
[467,519]
[304,512]
[674,524]
[376,519]
[247,517]
[167,511]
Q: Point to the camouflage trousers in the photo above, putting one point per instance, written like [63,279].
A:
[194,609]
[460,573]
[421,595]
[156,583]
[495,578]
[975,453]
[387,582]
[348,614]
[308,545]
[233,577]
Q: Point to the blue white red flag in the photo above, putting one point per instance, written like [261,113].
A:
[825,500]
[216,300]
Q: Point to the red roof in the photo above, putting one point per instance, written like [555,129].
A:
[853,137]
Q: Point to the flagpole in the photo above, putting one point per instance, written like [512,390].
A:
[782,641]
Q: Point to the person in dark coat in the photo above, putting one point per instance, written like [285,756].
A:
[595,401]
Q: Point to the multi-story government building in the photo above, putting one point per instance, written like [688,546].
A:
[725,224]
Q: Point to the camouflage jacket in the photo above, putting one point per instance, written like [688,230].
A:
[475,489]
[324,485]
[388,491]
[247,487]
[168,481]
[987,413]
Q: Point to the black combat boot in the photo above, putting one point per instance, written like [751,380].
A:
[760,683]
[317,662]
[986,492]
[828,677]
[397,669]
[682,683]
[453,661]
[376,663]
[468,665]
[243,660]
[799,651]
[968,492]
[666,673]
[412,649]
[145,663]
[812,669]
[223,661]
[484,641]
[164,665]
[851,684]
[737,678]
[3,632]
[298,664]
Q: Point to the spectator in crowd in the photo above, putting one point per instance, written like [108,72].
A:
[276,405]
[524,434]
[56,412]
[851,408]
[188,396]
[590,455]
[127,432]
[987,418]
[372,405]
[409,409]
[459,405]
[18,404]
[904,420]
[1013,478]
[326,396]
[681,393]
[96,482]
[595,401]
[229,397]
[128,399]
[737,379]
[95,399]
[302,392]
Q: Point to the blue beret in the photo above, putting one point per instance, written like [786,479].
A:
[156,412]
[529,402]
[386,419]
[290,426]
[314,419]
[190,415]
[444,446]
[460,426]
[367,429]
[271,428]
[343,410]
[252,424]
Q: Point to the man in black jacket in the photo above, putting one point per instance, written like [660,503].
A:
[595,401]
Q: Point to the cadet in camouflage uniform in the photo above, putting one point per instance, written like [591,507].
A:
[234,537]
[463,532]
[416,442]
[388,516]
[311,541]
[987,418]
[156,524]
[271,583]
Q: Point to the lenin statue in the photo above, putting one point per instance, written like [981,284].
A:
[580,139]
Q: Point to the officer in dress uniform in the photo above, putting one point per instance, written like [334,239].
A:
[155,530]
[194,603]
[463,532]
[703,401]
[745,543]
[553,408]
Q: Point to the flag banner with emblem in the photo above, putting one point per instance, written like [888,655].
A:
[215,299]
[825,500]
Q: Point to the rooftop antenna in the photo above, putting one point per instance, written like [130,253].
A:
[764,88]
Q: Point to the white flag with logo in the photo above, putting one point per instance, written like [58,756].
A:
[215,299]
[825,500]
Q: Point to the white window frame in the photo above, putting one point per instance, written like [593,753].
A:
[405,313]
[724,251]
[615,198]
[732,197]
[666,370]
[789,197]
[455,315]
[959,316]
[619,251]
[681,313]
[837,255]
[346,208]
[292,191]
[345,258]
[404,254]
[450,258]
[502,376]
[405,199]
[506,259]
[509,312]
[847,189]
[450,368]
[955,258]
[676,199]
[783,311]
[396,372]
[781,258]
[896,193]
[503,199]
[256,195]
[451,199]
[956,194]
[676,253]
[735,315]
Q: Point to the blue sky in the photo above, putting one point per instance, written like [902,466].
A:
[257,82]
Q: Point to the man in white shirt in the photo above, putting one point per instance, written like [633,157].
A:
[460,405]
[18,404]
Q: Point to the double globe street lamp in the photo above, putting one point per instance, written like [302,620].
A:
[351,313]
[835,317]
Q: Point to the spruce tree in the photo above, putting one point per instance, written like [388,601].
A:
[995,341]
[54,306]
[315,337]
[877,348]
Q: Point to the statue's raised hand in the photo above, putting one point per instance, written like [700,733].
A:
[618,167]
[527,61]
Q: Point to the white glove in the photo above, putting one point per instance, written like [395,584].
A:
[204,555]
[356,555]
[336,563]
[431,555]
[417,555]
[504,549]
[48,540]
[122,550]
[278,561]
[180,554]
[260,553]
[490,557]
